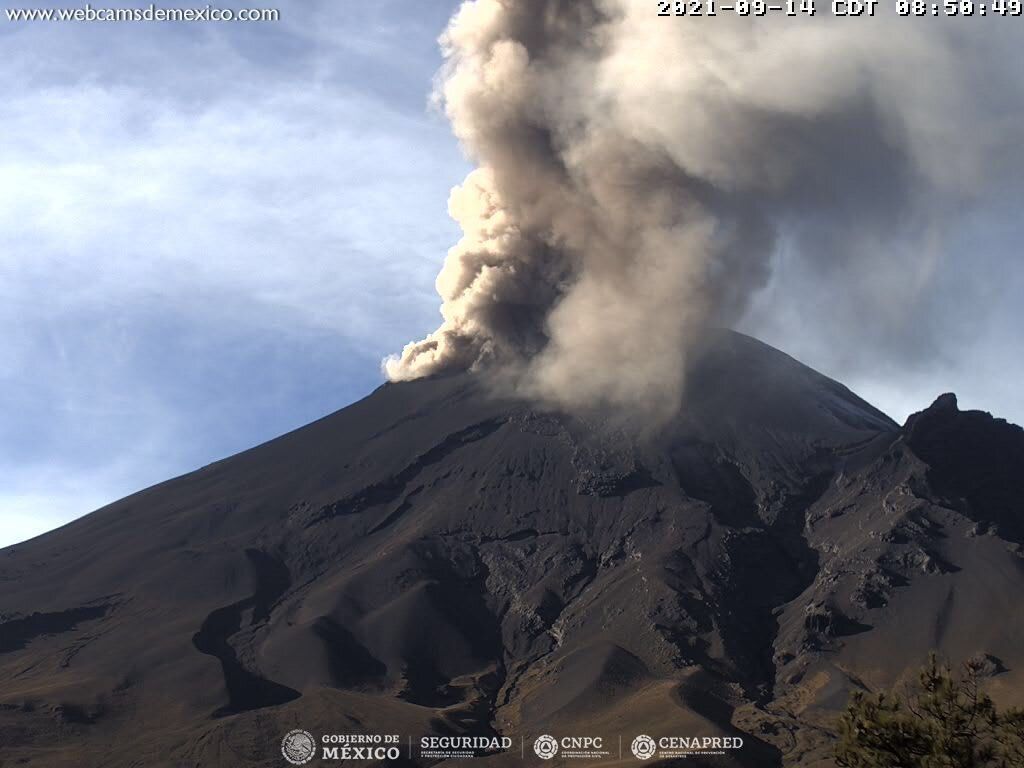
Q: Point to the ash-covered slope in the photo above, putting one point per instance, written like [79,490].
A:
[434,559]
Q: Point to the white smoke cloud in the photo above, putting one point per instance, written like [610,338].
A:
[636,175]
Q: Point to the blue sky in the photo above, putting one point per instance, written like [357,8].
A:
[213,233]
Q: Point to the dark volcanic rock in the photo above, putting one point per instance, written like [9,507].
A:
[439,559]
[974,461]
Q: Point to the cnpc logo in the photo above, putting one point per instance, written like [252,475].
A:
[546,747]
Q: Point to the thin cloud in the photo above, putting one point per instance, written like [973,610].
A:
[200,237]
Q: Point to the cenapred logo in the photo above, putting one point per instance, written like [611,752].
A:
[298,747]
[643,747]
[546,747]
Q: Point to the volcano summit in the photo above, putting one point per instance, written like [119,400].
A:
[436,560]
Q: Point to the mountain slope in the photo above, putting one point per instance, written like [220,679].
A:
[436,559]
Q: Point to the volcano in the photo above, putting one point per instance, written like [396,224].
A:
[438,559]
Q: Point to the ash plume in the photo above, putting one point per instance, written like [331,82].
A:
[636,176]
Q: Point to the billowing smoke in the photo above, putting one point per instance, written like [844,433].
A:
[637,175]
